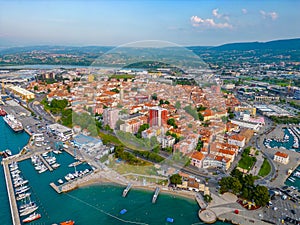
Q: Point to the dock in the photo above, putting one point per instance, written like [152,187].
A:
[126,190]
[156,193]
[46,163]
[73,184]
[199,199]
[11,195]
[56,188]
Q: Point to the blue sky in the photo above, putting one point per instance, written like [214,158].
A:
[104,22]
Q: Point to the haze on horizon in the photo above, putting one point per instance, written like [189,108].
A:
[91,22]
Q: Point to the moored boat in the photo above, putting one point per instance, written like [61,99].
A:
[2,112]
[13,123]
[32,217]
[22,196]
[28,211]
[69,222]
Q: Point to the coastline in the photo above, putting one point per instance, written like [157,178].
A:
[100,180]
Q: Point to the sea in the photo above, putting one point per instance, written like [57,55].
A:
[95,204]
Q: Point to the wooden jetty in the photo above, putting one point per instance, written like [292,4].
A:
[126,190]
[11,195]
[156,193]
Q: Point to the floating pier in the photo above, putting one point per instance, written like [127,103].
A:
[11,195]
[126,190]
[46,163]
[156,193]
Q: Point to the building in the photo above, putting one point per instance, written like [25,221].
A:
[64,133]
[133,123]
[246,124]
[237,140]
[110,117]
[281,157]
[23,93]
[167,141]
[157,116]
[266,98]
[216,162]
[251,110]
[187,145]
[196,159]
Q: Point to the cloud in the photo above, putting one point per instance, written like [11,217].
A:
[266,15]
[216,14]
[219,15]
[244,11]
[208,23]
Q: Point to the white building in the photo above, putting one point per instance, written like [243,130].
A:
[64,133]
[249,125]
[167,141]
[281,157]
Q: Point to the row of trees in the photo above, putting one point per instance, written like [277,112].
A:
[243,185]
[152,156]
[128,157]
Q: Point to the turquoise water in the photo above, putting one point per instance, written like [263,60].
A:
[296,183]
[11,140]
[287,145]
[97,204]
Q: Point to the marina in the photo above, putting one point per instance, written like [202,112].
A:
[290,139]
[100,207]
[11,196]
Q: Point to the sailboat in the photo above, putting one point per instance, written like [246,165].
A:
[28,208]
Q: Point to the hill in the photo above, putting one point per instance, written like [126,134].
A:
[289,44]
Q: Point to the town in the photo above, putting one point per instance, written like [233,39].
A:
[200,133]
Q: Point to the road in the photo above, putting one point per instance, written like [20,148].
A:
[38,109]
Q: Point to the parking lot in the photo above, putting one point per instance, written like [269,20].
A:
[280,209]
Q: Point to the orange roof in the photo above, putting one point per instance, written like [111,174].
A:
[281,154]
[197,155]
[227,152]
[237,137]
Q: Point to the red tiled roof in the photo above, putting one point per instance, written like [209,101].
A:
[281,154]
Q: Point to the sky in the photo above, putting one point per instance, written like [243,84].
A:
[113,23]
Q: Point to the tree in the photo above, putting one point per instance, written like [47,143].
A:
[176,179]
[154,96]
[207,198]
[199,145]
[35,88]
[141,129]
[261,195]
[161,102]
[201,108]
[201,117]
[230,184]
[171,122]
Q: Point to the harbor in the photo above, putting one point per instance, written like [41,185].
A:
[80,191]
[11,196]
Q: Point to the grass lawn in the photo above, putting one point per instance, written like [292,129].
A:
[107,138]
[246,162]
[265,169]
[124,168]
